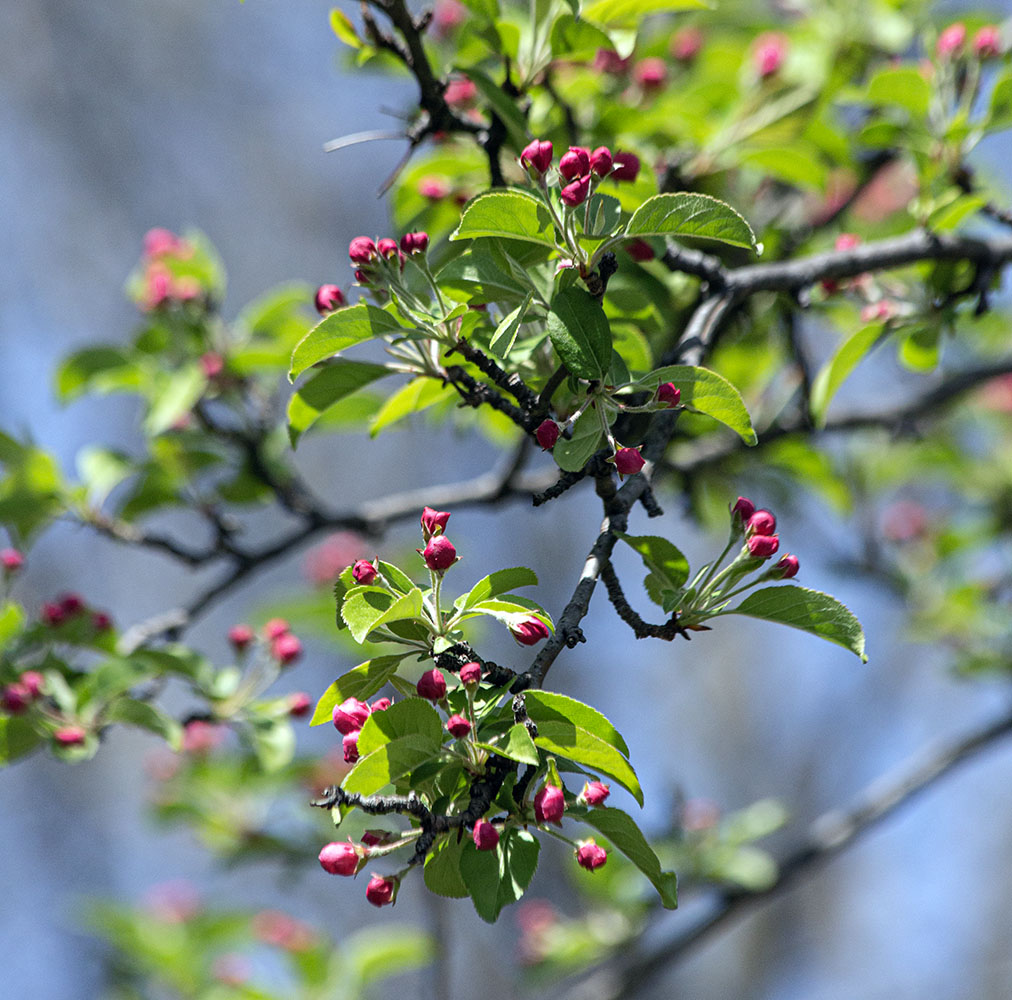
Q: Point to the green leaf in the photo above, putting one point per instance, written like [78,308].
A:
[573,453]
[631,12]
[104,369]
[706,392]
[11,619]
[409,717]
[499,582]
[376,953]
[919,349]
[838,368]
[497,878]
[580,333]
[577,39]
[442,868]
[144,715]
[17,738]
[388,763]
[691,215]
[603,216]
[809,610]
[510,610]
[419,394]
[512,214]
[1000,109]
[661,557]
[901,87]
[545,706]
[516,744]
[324,389]
[480,276]
[949,215]
[506,332]
[341,25]
[366,608]
[577,744]
[625,836]
[790,164]
[362,682]
[339,331]
[102,471]
[273,743]
[174,398]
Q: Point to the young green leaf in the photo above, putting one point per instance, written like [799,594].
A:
[388,763]
[17,739]
[362,682]
[412,716]
[629,13]
[512,214]
[516,744]
[580,333]
[497,878]
[546,706]
[419,394]
[367,608]
[144,715]
[338,331]
[572,454]
[691,215]
[506,332]
[839,367]
[499,582]
[324,389]
[665,562]
[579,745]
[442,868]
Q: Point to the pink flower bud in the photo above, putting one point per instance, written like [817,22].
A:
[350,716]
[549,804]
[52,614]
[432,685]
[240,636]
[15,698]
[601,161]
[594,793]
[590,855]
[742,510]
[340,858]
[299,704]
[362,250]
[350,746]
[769,53]
[433,188]
[547,434]
[276,628]
[286,649]
[439,554]
[787,567]
[575,162]
[201,737]
[627,167]
[11,560]
[609,61]
[71,604]
[951,40]
[685,44]
[651,74]
[434,522]
[763,546]
[446,15]
[412,243]
[380,891]
[363,572]
[32,681]
[70,736]
[380,705]
[212,364]
[576,193]
[362,277]
[667,393]
[101,622]
[159,241]
[847,241]
[458,727]
[485,836]
[530,632]
[762,522]
[639,250]
[460,93]
[629,461]
[987,42]
[536,157]
[470,673]
[328,298]
[387,248]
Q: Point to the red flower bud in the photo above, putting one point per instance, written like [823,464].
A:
[594,793]
[340,859]
[547,434]
[363,572]
[460,93]
[590,855]
[350,746]
[485,836]
[52,614]
[362,277]
[742,510]
[387,248]
[362,250]
[458,727]
[537,156]
[350,716]
[549,804]
[667,393]
[433,188]
[101,622]
[380,891]
[762,522]
[412,243]
[530,632]
[434,522]
[380,705]
[286,649]
[685,44]
[629,461]
[70,736]
[71,604]
[763,546]
[609,61]
[299,704]
[627,167]
[439,554]
[11,560]
[200,736]
[951,40]
[240,636]
[15,698]
[847,241]
[987,42]
[769,53]
[32,682]
[432,685]
[212,364]
[371,838]
[470,673]
[328,298]
[639,250]
[575,162]
[651,73]
[276,628]
[576,193]
[159,241]
[601,161]
[787,567]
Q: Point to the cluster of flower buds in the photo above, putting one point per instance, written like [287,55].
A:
[348,859]
[284,646]
[17,697]
[161,287]
[379,262]
[986,44]
[759,528]
[579,170]
[349,718]
[70,607]
[439,553]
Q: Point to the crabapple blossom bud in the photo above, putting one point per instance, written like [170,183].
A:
[200,736]
[446,15]
[432,685]
[52,614]
[15,698]
[276,628]
[668,393]
[362,277]
[460,93]
[433,188]
[536,157]
[627,167]
[11,560]
[380,891]
[362,250]
[350,715]
[685,44]
[101,622]
[530,632]
[328,298]
[434,522]
[594,793]
[412,243]
[350,746]
[470,673]
[576,193]
[847,241]
[609,61]
[299,704]
[340,858]
[32,681]
[590,855]
[547,434]
[485,836]
[212,364]
[651,74]
[769,53]
[639,250]
[601,161]
[363,572]
[159,241]
[951,40]
[458,727]
[787,567]
[70,736]
[763,546]
[762,522]
[240,636]
[286,649]
[575,162]
[987,42]
[549,804]
[380,705]
[439,554]
[387,248]
[71,604]
[742,510]
[629,461]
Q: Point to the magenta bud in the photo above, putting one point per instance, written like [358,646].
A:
[433,522]
[762,522]
[547,434]
[667,393]
[299,704]
[212,364]
[11,560]
[951,40]
[629,461]
[439,554]
[651,74]
[70,736]
[485,836]
[71,604]
[575,162]
[742,510]
[159,242]
[286,649]
[763,546]
[240,636]
[769,53]
[537,156]
[609,61]
[549,804]
[363,572]
[987,42]
[32,682]
[594,793]
[380,891]
[276,628]
[530,632]
[372,837]
[412,243]
[601,161]
[380,705]
[350,716]
[340,858]
[387,248]
[432,685]
[576,193]
[201,736]
[685,44]
[590,855]
[458,727]
[350,746]
[787,567]
[101,622]
[627,167]
[15,698]
[328,298]
[470,673]
[52,614]
[460,93]
[362,250]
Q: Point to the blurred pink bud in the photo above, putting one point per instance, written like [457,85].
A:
[446,15]
[485,836]
[412,243]
[158,242]
[987,42]
[439,554]
[609,61]
[11,560]
[71,604]
[763,546]
[847,241]
[627,167]
[951,40]
[460,93]
[15,698]
[668,393]
[299,704]
[433,522]
[328,298]
[52,614]
[458,727]
[212,364]
[590,855]
[326,561]
[601,161]
[685,44]
[339,858]
[575,162]
[432,685]
[363,572]
[629,461]
[769,53]
[32,681]
[101,622]
[903,521]
[881,311]
[286,649]
[201,737]
[362,250]
[276,628]
[787,567]
[433,188]
[530,632]
[240,636]
[594,793]
[549,804]
[651,74]
[350,716]
[762,522]
[380,705]
[157,287]
[547,434]
[576,193]
[470,673]
[380,891]
[639,250]
[350,746]
[70,736]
